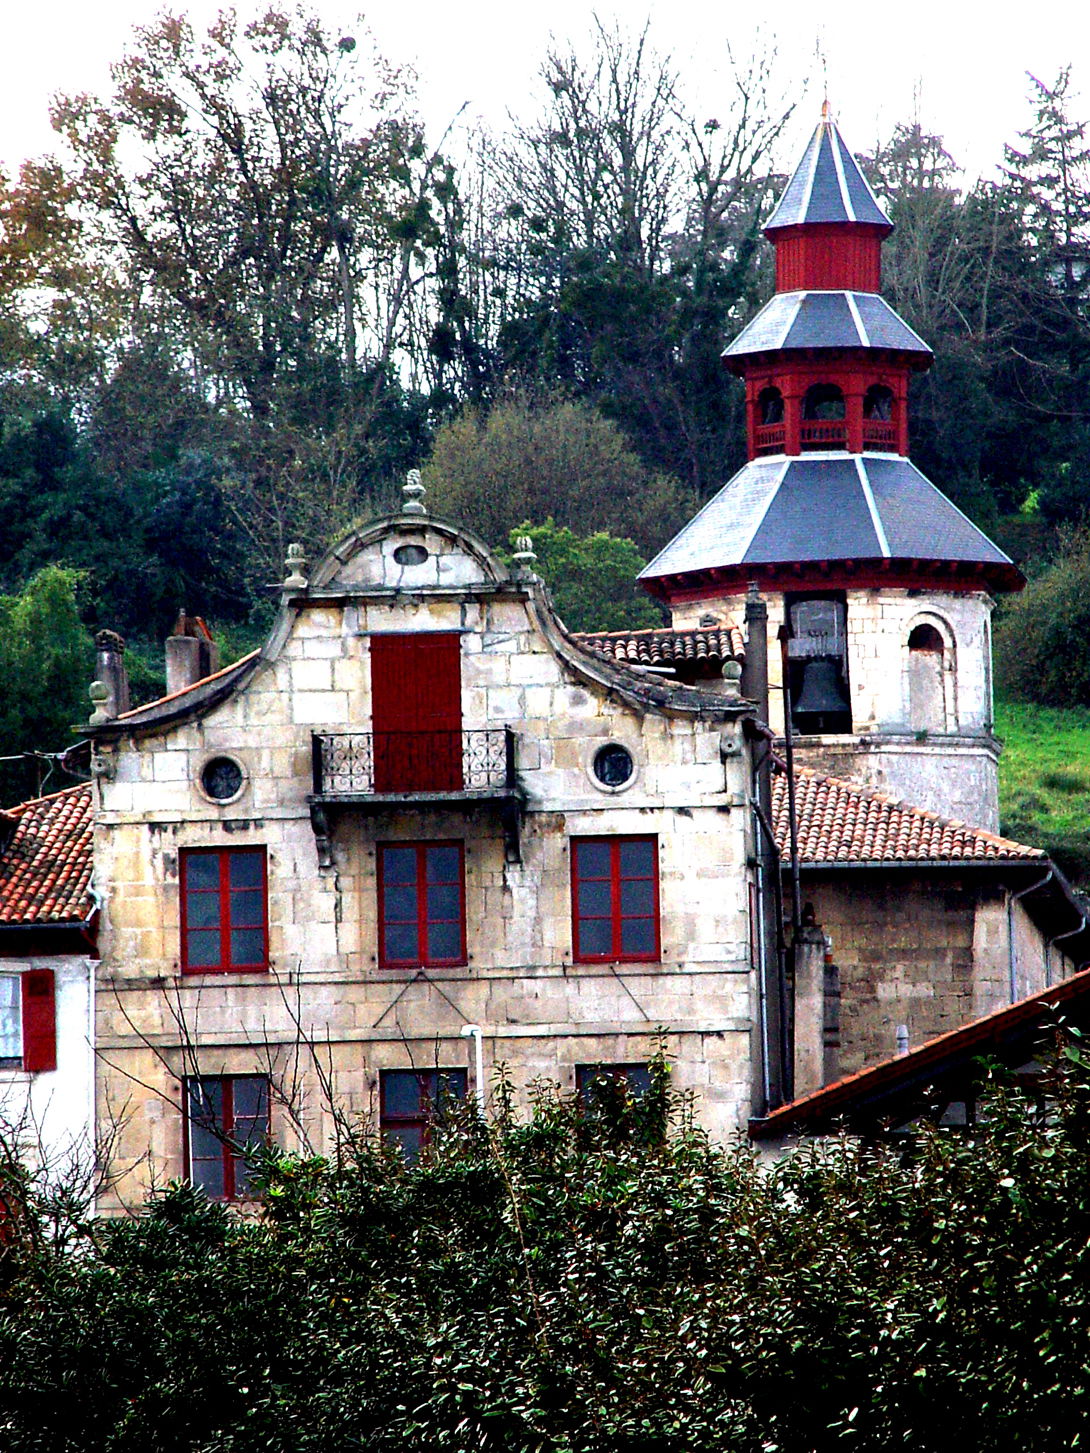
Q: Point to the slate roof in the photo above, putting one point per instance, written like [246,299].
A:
[823,507]
[826,320]
[666,647]
[45,862]
[839,822]
[827,186]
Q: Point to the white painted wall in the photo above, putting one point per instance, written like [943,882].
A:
[53,1112]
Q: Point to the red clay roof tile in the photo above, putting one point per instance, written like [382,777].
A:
[45,863]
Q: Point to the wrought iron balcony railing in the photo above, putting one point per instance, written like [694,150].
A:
[385,764]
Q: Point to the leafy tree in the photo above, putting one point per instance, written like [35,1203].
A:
[555,458]
[1040,656]
[591,578]
[46,664]
[581,1281]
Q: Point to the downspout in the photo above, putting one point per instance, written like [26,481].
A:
[1071,932]
[92,1077]
[1012,899]
[476,1033]
[775,1057]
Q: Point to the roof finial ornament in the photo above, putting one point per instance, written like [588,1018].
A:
[525,557]
[295,564]
[414,493]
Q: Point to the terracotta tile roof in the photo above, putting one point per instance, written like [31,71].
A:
[664,648]
[839,822]
[45,863]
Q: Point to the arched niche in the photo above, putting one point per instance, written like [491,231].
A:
[932,704]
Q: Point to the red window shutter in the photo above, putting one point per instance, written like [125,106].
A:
[416,705]
[39,1021]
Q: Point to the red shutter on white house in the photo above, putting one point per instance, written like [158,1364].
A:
[39,1021]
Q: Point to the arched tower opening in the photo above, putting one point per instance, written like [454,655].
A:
[927,664]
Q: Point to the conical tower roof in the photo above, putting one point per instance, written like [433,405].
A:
[827,186]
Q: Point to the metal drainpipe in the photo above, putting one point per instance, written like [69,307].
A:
[1012,899]
[476,1033]
[1071,932]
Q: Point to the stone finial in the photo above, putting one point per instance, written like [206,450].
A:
[295,564]
[525,556]
[99,693]
[414,493]
[732,678]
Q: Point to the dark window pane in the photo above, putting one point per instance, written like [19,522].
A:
[409,1137]
[401,943]
[251,1098]
[445,902]
[594,899]
[247,870]
[247,946]
[206,1101]
[638,936]
[402,1093]
[248,908]
[450,1084]
[444,941]
[202,870]
[202,910]
[637,859]
[399,865]
[637,897]
[202,948]
[595,936]
[399,903]
[206,1171]
[592,860]
[443,865]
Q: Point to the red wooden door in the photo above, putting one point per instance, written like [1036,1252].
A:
[416,695]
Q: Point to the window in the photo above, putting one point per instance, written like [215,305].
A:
[615,899]
[421,905]
[817,650]
[411,1103]
[226,1116]
[224,910]
[222,779]
[28,1028]
[595,1083]
[11,1023]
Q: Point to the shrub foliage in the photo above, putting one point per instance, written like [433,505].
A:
[575,1282]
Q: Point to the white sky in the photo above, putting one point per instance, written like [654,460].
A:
[959,64]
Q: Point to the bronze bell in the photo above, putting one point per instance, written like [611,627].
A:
[822,691]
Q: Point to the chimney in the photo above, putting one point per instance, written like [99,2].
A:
[110,670]
[191,653]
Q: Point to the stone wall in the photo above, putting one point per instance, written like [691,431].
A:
[930,951]
[953,772]
[542,1013]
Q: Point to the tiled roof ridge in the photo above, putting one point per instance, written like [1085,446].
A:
[712,638]
[21,807]
[175,695]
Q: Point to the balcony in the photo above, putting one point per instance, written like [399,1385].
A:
[769,438]
[377,772]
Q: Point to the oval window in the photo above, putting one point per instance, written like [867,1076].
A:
[410,554]
[613,765]
[221,779]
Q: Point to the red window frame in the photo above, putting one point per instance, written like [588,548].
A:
[225,964]
[617,918]
[421,884]
[231,1158]
[432,1086]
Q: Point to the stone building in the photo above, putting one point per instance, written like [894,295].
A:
[48,922]
[421,818]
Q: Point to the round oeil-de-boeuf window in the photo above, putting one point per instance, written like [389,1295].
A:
[221,779]
[613,765]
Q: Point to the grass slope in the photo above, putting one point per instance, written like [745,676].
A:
[1044,781]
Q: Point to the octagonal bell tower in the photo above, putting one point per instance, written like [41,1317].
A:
[885,587]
